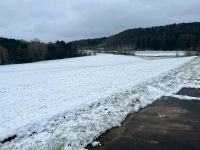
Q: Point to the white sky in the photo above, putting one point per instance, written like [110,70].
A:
[51,20]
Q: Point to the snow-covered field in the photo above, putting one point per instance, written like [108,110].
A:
[66,104]
[160,53]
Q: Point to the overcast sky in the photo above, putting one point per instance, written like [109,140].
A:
[51,20]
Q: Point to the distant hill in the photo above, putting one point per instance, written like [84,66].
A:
[170,37]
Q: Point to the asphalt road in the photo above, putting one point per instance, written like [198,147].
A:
[167,124]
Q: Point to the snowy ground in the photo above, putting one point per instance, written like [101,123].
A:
[66,104]
[160,53]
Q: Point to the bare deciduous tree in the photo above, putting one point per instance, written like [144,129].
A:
[37,50]
[3,55]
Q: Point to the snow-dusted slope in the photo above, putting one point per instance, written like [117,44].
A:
[56,101]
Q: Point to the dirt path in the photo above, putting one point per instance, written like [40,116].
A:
[167,124]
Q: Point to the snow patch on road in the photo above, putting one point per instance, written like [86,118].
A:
[96,143]
[184,97]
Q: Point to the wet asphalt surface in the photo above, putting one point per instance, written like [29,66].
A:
[167,124]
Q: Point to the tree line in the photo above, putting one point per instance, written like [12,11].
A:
[14,51]
[184,36]
[18,51]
